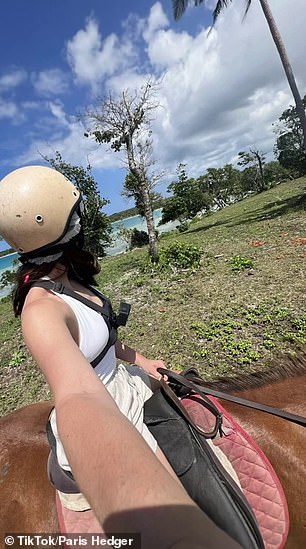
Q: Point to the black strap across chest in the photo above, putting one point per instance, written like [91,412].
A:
[111,319]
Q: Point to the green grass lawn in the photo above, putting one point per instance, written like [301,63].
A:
[226,317]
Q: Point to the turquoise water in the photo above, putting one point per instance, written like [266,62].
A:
[136,222]
[7,262]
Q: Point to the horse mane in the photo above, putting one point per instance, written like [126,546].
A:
[279,369]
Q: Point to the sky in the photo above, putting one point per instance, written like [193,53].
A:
[218,93]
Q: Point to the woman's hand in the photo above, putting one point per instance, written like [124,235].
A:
[123,352]
[150,367]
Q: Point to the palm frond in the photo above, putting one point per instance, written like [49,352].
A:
[220,5]
[247,7]
[179,7]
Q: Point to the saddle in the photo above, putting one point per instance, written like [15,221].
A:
[184,420]
[194,431]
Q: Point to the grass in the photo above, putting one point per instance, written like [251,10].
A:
[242,307]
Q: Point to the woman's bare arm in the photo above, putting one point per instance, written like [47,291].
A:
[126,485]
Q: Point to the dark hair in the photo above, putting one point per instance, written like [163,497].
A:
[80,264]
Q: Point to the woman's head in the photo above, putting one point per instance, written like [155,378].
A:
[40,218]
[37,208]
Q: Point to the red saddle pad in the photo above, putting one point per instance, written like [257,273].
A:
[256,475]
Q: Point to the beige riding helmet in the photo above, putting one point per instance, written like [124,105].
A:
[36,204]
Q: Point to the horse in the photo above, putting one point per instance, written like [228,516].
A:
[28,499]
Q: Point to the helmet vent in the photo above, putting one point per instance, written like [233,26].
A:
[39,218]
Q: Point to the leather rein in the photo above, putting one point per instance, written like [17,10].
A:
[191,380]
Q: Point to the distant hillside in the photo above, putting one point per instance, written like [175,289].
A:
[6,252]
[123,215]
[133,211]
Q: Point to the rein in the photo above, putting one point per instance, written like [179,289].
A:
[191,380]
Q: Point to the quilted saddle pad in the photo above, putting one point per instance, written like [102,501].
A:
[257,478]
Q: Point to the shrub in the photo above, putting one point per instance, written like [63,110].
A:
[239,263]
[180,255]
[184,226]
[138,239]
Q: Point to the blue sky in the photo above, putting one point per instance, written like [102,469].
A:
[219,93]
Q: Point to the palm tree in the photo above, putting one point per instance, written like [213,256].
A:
[179,7]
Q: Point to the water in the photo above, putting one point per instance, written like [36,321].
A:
[136,222]
[118,246]
[7,263]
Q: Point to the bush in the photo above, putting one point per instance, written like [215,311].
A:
[180,255]
[8,278]
[239,263]
[184,226]
[138,239]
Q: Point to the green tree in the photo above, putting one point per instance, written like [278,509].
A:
[289,149]
[248,180]
[7,278]
[222,184]
[256,160]
[96,224]
[174,209]
[124,123]
[187,200]
[275,173]
[179,7]
[131,190]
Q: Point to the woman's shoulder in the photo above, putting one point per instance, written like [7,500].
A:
[43,308]
[40,302]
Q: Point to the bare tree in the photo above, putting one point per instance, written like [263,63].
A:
[255,159]
[124,123]
[131,188]
[179,7]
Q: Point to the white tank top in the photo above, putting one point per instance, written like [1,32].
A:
[93,336]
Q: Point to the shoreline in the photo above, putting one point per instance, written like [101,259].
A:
[7,255]
[133,217]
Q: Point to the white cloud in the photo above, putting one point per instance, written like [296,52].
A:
[92,59]
[168,47]
[222,92]
[50,82]
[164,47]
[31,105]
[8,109]
[128,80]
[12,79]
[219,93]
[157,20]
[57,110]
[68,138]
